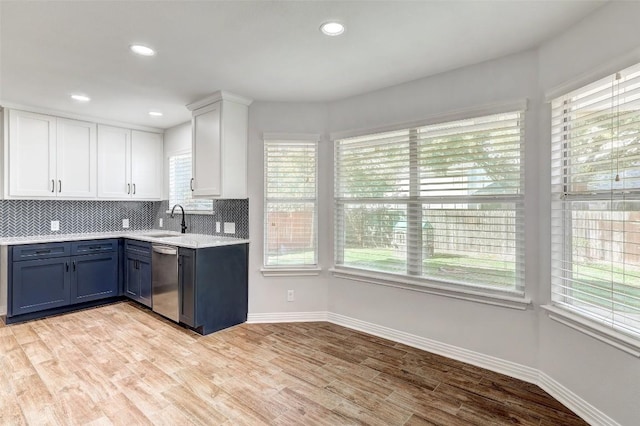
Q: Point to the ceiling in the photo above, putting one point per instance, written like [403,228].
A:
[270,51]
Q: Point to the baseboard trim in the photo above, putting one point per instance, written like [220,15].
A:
[582,408]
[509,368]
[273,317]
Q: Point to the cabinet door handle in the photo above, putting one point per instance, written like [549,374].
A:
[191,184]
[128,188]
[66,266]
[134,189]
[74,266]
[53,185]
[59,186]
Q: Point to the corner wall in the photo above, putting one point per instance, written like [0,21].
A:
[603,376]
[598,379]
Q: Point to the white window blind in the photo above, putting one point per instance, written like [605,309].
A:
[440,203]
[596,201]
[179,185]
[290,205]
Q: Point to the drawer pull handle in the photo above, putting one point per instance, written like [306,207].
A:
[95,247]
[43,251]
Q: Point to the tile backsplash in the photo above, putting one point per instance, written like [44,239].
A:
[236,211]
[20,218]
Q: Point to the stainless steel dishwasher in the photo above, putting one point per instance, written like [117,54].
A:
[164,277]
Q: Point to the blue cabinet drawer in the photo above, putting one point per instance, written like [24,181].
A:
[40,251]
[138,247]
[93,246]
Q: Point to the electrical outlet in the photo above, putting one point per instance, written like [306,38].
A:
[217,226]
[229,227]
[160,222]
[290,296]
[55,225]
[125,223]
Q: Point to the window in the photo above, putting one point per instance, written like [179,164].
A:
[180,185]
[290,205]
[438,203]
[596,201]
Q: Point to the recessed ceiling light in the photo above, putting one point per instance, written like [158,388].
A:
[155,113]
[80,98]
[332,28]
[142,50]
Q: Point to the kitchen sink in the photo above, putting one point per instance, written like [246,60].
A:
[162,235]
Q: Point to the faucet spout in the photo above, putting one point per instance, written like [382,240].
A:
[183,225]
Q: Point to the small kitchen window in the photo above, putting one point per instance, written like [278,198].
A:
[180,186]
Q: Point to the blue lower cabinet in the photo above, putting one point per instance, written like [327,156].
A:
[50,278]
[213,285]
[137,277]
[40,284]
[94,276]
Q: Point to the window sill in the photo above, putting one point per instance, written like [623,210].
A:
[504,300]
[592,328]
[291,272]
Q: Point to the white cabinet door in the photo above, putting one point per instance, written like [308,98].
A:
[146,165]
[114,163]
[76,159]
[206,155]
[32,155]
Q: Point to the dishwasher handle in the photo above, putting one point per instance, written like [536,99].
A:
[165,250]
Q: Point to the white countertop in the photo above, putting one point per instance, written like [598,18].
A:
[160,236]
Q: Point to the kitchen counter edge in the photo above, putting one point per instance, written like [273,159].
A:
[204,240]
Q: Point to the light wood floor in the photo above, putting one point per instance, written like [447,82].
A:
[122,364]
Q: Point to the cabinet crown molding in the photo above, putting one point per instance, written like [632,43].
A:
[220,95]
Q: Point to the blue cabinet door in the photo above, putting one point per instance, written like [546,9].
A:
[137,277]
[40,284]
[95,276]
[131,276]
[144,272]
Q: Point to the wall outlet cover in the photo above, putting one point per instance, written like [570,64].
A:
[217,226]
[55,225]
[290,296]
[229,227]
[125,223]
[160,223]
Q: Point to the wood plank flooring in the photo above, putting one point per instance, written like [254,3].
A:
[123,365]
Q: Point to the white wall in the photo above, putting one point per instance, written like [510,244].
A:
[268,294]
[606,377]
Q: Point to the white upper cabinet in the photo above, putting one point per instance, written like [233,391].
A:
[146,165]
[50,157]
[76,159]
[129,164]
[219,146]
[114,163]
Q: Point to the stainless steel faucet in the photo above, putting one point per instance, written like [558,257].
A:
[182,225]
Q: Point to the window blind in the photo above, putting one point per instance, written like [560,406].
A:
[442,202]
[596,201]
[179,185]
[290,191]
